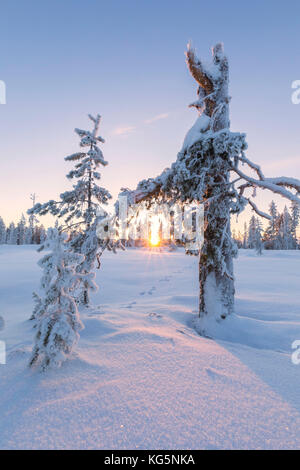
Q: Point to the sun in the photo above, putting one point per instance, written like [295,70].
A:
[154,239]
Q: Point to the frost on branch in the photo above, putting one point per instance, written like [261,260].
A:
[87,243]
[78,207]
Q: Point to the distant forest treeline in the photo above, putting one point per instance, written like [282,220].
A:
[23,233]
[280,234]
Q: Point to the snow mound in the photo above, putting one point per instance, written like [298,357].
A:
[194,134]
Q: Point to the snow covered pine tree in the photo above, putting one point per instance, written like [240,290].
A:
[2,231]
[79,206]
[56,314]
[295,215]
[202,172]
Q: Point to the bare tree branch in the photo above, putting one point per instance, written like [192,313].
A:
[276,185]
[197,70]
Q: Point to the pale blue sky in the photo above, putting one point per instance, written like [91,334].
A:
[125,59]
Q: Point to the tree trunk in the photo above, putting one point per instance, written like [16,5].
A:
[216,286]
[216,299]
[85,294]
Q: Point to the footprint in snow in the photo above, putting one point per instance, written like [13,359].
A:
[165,279]
[211,373]
[150,292]
[154,315]
[129,305]
[218,375]
[17,353]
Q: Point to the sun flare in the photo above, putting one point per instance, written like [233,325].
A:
[154,239]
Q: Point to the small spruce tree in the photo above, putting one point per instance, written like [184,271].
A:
[78,207]
[56,314]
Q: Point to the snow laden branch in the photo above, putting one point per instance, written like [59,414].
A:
[78,207]
[280,185]
[258,211]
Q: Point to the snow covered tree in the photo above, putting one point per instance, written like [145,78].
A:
[11,236]
[28,239]
[245,236]
[258,237]
[2,232]
[42,234]
[208,170]
[86,242]
[78,207]
[39,234]
[56,314]
[202,173]
[295,216]
[20,231]
[271,231]
[281,233]
[254,239]
[285,230]
[33,221]
[251,242]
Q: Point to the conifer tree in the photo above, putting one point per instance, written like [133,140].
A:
[21,231]
[271,231]
[202,173]
[2,232]
[245,236]
[78,207]
[295,215]
[33,221]
[56,314]
[11,237]
[251,242]
[211,153]
[258,237]
[285,230]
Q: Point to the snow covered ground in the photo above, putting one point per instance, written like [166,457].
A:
[142,378]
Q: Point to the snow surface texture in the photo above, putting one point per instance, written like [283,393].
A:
[142,378]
